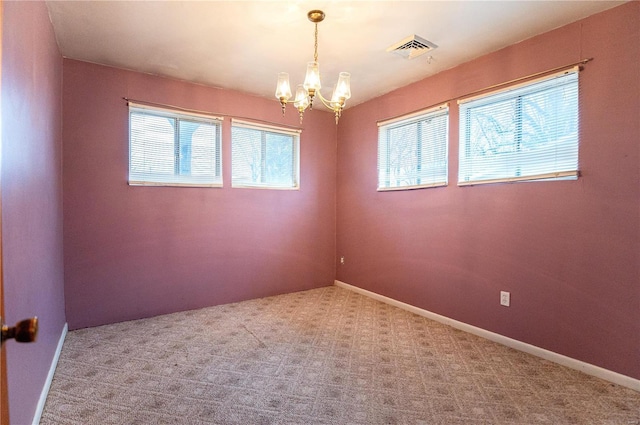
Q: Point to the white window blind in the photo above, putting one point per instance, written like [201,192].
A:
[263,156]
[412,150]
[167,148]
[527,132]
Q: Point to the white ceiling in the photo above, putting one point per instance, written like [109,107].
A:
[242,45]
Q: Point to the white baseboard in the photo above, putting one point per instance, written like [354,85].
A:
[47,383]
[589,369]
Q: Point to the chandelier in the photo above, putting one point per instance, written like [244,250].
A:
[306,92]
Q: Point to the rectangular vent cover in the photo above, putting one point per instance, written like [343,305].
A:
[412,47]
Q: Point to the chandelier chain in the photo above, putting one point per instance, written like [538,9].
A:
[315,46]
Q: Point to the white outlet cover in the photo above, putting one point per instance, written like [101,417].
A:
[505,298]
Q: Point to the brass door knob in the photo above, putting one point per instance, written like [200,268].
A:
[24,331]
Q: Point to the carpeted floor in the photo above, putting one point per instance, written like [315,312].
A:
[325,356]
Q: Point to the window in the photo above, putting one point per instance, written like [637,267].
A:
[264,156]
[167,148]
[412,150]
[528,132]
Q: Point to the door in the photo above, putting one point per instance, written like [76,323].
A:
[26,330]
[4,396]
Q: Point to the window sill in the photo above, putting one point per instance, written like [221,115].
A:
[159,184]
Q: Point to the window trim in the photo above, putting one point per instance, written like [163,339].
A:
[549,176]
[407,119]
[295,133]
[179,115]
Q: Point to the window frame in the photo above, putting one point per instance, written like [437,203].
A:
[176,179]
[516,92]
[264,129]
[419,117]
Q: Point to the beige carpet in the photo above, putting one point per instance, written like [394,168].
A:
[325,356]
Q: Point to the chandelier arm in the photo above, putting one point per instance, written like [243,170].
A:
[289,101]
[324,101]
[318,94]
[334,106]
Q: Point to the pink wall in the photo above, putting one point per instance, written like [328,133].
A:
[133,252]
[31,197]
[568,251]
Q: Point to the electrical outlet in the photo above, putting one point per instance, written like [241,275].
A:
[505,298]
[342,260]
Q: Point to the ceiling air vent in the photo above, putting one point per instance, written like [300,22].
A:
[412,47]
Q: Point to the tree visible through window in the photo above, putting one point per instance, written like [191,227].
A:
[167,148]
[412,151]
[263,156]
[526,133]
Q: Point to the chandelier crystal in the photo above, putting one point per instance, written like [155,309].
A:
[306,92]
